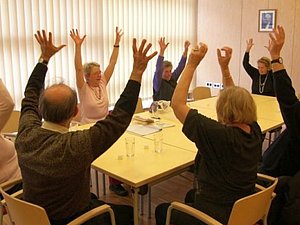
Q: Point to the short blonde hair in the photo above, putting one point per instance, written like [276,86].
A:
[236,105]
[87,67]
[266,61]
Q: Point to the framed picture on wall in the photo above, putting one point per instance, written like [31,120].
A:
[266,20]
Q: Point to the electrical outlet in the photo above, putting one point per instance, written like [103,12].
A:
[216,85]
[208,84]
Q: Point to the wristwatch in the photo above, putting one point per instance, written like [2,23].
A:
[42,60]
[279,60]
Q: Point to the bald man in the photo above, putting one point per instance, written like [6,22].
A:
[54,162]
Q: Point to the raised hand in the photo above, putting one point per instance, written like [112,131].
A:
[224,60]
[186,48]
[277,37]
[249,44]
[76,38]
[140,59]
[47,47]
[119,34]
[186,45]
[197,54]
[163,45]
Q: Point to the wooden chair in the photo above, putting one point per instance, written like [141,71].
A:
[245,211]
[5,186]
[201,92]
[12,123]
[22,212]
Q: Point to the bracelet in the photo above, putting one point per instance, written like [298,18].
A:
[116,46]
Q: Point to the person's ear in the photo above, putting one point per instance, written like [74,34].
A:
[76,111]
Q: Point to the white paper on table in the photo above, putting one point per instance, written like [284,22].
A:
[143,129]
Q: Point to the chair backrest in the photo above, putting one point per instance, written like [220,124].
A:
[6,186]
[201,92]
[252,208]
[190,211]
[245,211]
[139,106]
[21,212]
[95,212]
[12,123]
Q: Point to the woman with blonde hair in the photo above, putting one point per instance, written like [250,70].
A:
[228,149]
[262,77]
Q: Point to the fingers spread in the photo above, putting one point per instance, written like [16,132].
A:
[142,45]
[147,48]
[134,48]
[152,55]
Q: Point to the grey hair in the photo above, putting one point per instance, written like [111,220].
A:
[87,67]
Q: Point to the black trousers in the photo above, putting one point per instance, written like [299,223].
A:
[123,214]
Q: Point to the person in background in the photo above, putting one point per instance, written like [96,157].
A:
[56,163]
[9,167]
[92,82]
[282,158]
[225,170]
[92,90]
[164,80]
[262,78]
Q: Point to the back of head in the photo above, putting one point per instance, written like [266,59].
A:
[236,105]
[266,61]
[58,103]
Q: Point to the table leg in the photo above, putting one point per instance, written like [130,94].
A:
[136,206]
[149,202]
[142,205]
[97,183]
[104,187]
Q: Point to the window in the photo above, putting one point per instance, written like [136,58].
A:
[19,52]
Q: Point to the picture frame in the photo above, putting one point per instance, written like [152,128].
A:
[266,20]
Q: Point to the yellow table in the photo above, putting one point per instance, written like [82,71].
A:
[268,112]
[145,167]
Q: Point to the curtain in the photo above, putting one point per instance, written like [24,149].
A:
[150,19]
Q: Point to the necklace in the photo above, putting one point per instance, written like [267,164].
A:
[97,92]
[261,85]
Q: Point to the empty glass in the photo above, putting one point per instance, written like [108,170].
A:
[130,146]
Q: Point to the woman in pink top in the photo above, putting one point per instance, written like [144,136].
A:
[9,167]
[92,91]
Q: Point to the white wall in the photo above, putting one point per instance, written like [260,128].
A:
[231,23]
